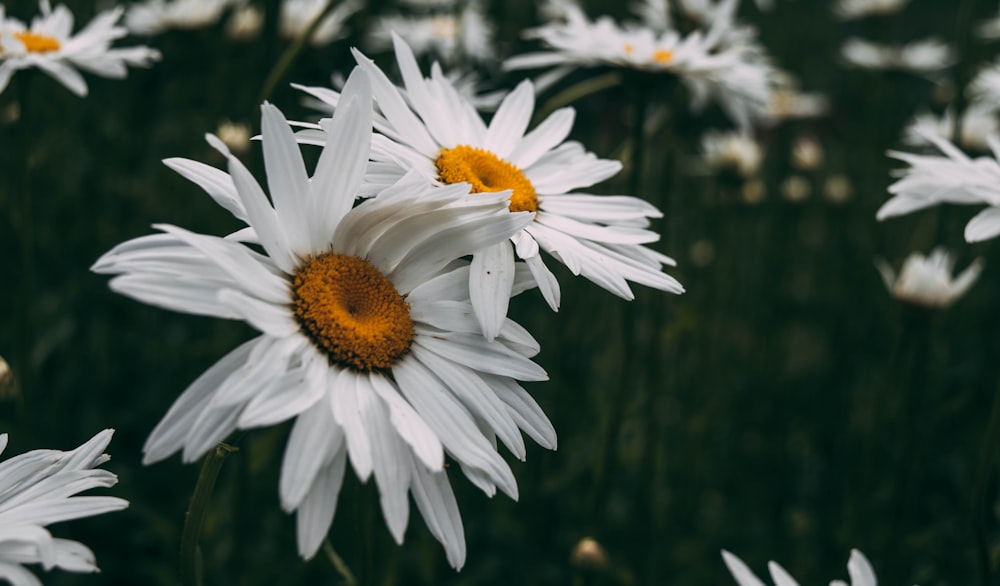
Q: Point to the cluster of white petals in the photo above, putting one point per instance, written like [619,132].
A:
[925,56]
[39,488]
[927,280]
[156,16]
[298,15]
[50,45]
[858,568]
[978,123]
[451,37]
[732,151]
[854,9]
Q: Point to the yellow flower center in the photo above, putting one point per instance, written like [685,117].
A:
[36,43]
[629,49]
[487,173]
[663,56]
[352,312]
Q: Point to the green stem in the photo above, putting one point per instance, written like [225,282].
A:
[291,53]
[190,551]
[338,564]
[988,455]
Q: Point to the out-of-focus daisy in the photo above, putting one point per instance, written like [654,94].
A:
[789,103]
[732,152]
[927,280]
[713,66]
[437,134]
[235,135]
[38,488]
[985,87]
[298,15]
[807,153]
[853,9]
[244,23]
[925,56]
[156,16]
[50,45]
[953,178]
[367,336]
[450,37]
[858,568]
[978,123]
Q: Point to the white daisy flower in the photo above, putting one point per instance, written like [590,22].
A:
[367,336]
[854,9]
[954,178]
[927,280]
[978,123]
[298,15]
[715,64]
[50,45]
[858,568]
[245,23]
[732,151]
[984,89]
[37,489]
[156,16]
[437,134]
[925,56]
[449,36]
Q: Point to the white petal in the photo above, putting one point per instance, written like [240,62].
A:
[433,496]
[287,179]
[740,571]
[348,409]
[315,440]
[315,515]
[491,276]
[511,120]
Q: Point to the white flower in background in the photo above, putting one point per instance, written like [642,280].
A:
[789,103]
[927,280]
[298,15]
[731,151]
[244,23]
[807,153]
[853,9]
[713,63]
[50,45]
[978,123]
[235,135]
[451,37]
[925,56]
[156,16]
[984,90]
[989,29]
[437,134]
[37,489]
[858,568]
[367,336]
[954,178]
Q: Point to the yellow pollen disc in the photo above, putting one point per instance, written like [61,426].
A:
[352,312]
[487,173]
[36,43]
[663,56]
[629,49]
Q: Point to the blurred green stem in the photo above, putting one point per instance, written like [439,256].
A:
[191,574]
[987,458]
[338,564]
[291,53]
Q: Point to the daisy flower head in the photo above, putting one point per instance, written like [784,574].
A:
[156,16]
[953,178]
[38,488]
[854,9]
[50,45]
[732,152]
[298,15]
[437,134]
[858,568]
[722,62]
[367,336]
[459,33]
[927,280]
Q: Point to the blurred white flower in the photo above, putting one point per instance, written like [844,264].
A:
[715,63]
[37,489]
[927,280]
[807,153]
[298,15]
[731,151]
[984,90]
[925,56]
[978,123]
[156,16]
[796,188]
[858,568]
[367,340]
[244,23]
[450,37]
[50,45]
[953,178]
[852,9]
[438,135]
[235,135]
[989,29]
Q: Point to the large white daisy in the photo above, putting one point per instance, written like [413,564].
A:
[50,45]
[367,335]
[431,130]
[37,489]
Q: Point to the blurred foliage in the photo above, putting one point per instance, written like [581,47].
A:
[784,408]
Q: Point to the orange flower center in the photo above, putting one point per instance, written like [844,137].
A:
[36,43]
[352,312]
[487,173]
[663,56]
